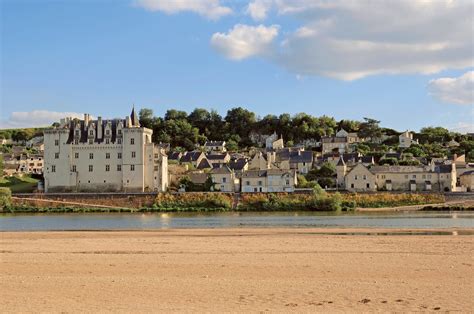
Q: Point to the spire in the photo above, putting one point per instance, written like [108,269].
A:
[134,117]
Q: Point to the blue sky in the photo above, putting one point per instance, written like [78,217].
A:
[101,57]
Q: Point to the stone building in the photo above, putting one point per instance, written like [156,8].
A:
[103,155]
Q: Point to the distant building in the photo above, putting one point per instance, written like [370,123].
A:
[215,146]
[194,158]
[342,142]
[273,142]
[103,155]
[467,180]
[405,140]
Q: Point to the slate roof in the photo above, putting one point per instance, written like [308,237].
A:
[174,156]
[295,156]
[191,156]
[221,170]
[83,137]
[216,156]
[204,164]
[238,165]
[214,143]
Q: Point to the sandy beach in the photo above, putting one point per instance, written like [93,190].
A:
[222,270]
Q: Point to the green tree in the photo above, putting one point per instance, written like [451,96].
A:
[370,129]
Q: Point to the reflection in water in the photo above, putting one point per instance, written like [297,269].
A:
[140,221]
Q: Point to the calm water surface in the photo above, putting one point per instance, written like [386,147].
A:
[141,221]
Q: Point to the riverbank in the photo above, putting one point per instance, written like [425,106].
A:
[234,270]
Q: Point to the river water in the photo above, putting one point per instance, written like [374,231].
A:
[150,221]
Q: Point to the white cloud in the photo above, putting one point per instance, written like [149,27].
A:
[35,118]
[258,9]
[212,9]
[353,39]
[457,90]
[244,41]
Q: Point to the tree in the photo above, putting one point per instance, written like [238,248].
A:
[174,114]
[232,145]
[434,134]
[146,119]
[349,125]
[240,121]
[370,129]
[327,170]
[388,161]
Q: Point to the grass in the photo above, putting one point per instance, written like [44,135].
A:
[19,184]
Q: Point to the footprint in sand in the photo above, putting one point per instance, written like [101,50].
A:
[291,304]
[437,308]
[364,301]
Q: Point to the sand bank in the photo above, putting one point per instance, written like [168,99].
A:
[234,270]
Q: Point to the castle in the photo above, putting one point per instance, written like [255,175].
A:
[103,156]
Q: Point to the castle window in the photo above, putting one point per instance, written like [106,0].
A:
[119,155]
[91,168]
[53,168]
[56,142]
[107,141]
[91,155]
[119,141]
[132,141]
[107,155]
[56,155]
[247,182]
[76,142]
[73,168]
[414,176]
[368,185]
[119,132]
[287,182]
[260,182]
[406,176]
[132,167]
[91,132]
[91,141]
[76,155]
[107,167]
[107,132]
[365,177]
[119,167]
[224,180]
[133,154]
[355,178]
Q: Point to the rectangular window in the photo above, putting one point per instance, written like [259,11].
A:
[247,183]
[414,176]
[91,168]
[107,167]
[355,178]
[119,167]
[107,141]
[119,132]
[368,185]
[76,155]
[365,177]
[91,132]
[56,142]
[56,155]
[287,182]
[132,167]
[91,141]
[119,141]
[74,168]
[260,182]
[119,155]
[406,176]
[76,142]
[156,156]
[224,180]
[423,176]
[352,185]
[53,168]
[132,141]
[133,154]
[107,155]
[107,132]
[91,155]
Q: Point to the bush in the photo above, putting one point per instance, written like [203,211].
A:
[192,202]
[390,199]
[5,198]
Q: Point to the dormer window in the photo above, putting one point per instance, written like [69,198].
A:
[119,132]
[78,133]
[91,132]
[107,132]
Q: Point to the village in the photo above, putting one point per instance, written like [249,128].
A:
[119,155]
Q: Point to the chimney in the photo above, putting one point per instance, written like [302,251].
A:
[99,127]
[86,119]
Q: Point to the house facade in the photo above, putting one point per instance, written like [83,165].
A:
[224,179]
[268,181]
[103,155]
[342,142]
[405,140]
[361,178]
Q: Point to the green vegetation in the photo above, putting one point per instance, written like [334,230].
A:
[193,202]
[391,199]
[5,198]
[23,184]
[20,135]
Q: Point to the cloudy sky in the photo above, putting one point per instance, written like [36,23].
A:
[407,63]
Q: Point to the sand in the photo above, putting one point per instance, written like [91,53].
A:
[234,270]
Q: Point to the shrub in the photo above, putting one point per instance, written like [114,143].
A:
[5,198]
[193,201]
